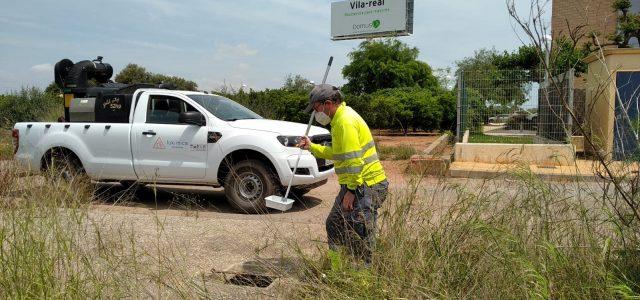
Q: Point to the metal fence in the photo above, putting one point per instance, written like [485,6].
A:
[518,106]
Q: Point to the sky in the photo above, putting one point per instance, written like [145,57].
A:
[213,42]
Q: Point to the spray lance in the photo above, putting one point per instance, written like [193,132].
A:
[284,203]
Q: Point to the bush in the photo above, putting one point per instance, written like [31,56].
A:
[400,108]
[277,104]
[29,104]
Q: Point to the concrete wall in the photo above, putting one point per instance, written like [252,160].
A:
[536,154]
[601,93]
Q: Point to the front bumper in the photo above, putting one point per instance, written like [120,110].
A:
[311,172]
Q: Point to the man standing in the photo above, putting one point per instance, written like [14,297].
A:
[363,183]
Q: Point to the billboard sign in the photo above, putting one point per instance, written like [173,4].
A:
[356,19]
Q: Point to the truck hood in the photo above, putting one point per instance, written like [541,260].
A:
[279,127]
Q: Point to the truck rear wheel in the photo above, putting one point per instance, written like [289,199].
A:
[66,165]
[247,185]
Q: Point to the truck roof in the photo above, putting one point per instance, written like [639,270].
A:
[183,92]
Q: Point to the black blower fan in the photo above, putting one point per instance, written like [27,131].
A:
[70,75]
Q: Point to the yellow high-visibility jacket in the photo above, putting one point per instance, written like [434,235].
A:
[352,150]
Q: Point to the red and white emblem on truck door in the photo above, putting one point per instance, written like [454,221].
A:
[159,144]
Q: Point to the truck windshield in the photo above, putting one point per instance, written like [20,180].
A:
[224,108]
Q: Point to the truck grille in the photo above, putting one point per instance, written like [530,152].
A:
[322,139]
[325,140]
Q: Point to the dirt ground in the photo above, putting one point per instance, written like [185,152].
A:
[419,141]
[198,222]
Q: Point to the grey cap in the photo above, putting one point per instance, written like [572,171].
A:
[322,92]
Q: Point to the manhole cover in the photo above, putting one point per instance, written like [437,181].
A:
[255,280]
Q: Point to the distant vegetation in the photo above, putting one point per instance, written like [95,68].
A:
[29,104]
[133,73]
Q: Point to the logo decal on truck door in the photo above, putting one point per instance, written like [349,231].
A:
[159,144]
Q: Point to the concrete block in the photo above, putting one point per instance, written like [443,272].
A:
[429,165]
[537,154]
[437,146]
[578,143]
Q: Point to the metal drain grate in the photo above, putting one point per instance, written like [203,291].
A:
[546,167]
[254,280]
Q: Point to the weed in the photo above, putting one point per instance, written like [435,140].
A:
[498,139]
[401,152]
[52,246]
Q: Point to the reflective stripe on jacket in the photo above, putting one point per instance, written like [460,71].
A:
[352,150]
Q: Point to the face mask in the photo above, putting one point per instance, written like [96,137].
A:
[322,118]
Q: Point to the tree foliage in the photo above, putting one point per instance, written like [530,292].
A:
[568,55]
[399,108]
[377,65]
[406,108]
[297,83]
[628,24]
[133,73]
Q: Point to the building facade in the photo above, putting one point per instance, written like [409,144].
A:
[589,15]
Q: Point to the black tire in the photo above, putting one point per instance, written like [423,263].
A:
[65,165]
[247,185]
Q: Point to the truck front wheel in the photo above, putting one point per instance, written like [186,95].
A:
[247,185]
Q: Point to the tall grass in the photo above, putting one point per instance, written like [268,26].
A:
[522,239]
[400,152]
[6,144]
[51,246]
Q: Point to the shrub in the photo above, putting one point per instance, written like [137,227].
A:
[29,104]
[406,107]
[399,108]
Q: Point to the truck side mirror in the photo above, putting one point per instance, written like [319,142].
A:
[192,117]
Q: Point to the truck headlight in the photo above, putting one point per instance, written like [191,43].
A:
[289,141]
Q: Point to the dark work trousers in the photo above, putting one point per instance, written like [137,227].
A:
[356,229]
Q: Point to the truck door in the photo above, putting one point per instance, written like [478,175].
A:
[163,148]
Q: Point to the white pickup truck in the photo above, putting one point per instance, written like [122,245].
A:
[179,137]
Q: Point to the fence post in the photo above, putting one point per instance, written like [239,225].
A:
[571,75]
[459,108]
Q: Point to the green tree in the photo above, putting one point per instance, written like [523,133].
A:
[297,83]
[377,65]
[566,54]
[133,73]
[406,108]
[628,24]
